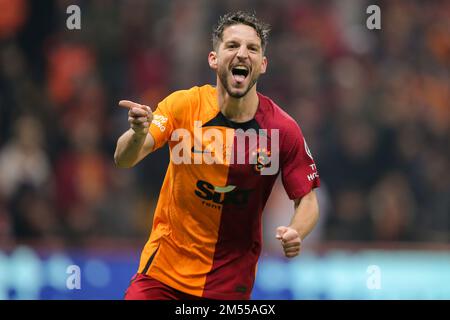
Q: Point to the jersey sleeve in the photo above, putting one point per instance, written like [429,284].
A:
[299,172]
[168,116]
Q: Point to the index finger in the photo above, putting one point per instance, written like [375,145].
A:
[129,104]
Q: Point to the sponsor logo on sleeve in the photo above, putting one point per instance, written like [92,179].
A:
[160,121]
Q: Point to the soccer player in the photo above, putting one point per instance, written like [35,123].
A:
[206,235]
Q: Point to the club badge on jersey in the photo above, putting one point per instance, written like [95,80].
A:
[262,159]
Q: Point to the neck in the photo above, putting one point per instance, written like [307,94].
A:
[238,109]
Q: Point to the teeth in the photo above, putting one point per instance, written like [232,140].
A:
[241,68]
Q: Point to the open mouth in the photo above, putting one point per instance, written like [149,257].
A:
[239,73]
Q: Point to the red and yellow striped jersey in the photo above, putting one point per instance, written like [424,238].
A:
[206,235]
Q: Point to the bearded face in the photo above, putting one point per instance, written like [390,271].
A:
[239,60]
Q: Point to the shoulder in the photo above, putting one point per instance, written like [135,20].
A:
[184,105]
[189,97]
[272,116]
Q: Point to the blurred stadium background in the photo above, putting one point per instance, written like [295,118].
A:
[373,106]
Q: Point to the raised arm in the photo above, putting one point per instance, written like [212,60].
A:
[136,142]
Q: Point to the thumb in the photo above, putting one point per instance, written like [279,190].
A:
[280,232]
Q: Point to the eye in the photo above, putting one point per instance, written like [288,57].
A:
[232,45]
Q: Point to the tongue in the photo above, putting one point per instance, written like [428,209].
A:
[239,77]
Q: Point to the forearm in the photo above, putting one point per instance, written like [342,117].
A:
[306,214]
[128,149]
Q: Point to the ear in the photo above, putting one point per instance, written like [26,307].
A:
[212,60]
[264,65]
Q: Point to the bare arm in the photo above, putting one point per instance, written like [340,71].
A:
[136,142]
[304,220]
[306,214]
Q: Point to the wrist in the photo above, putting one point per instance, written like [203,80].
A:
[139,135]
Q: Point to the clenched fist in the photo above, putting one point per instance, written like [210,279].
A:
[139,116]
[290,240]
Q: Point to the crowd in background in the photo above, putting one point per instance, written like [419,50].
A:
[373,106]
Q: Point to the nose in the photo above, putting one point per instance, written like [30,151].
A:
[242,52]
